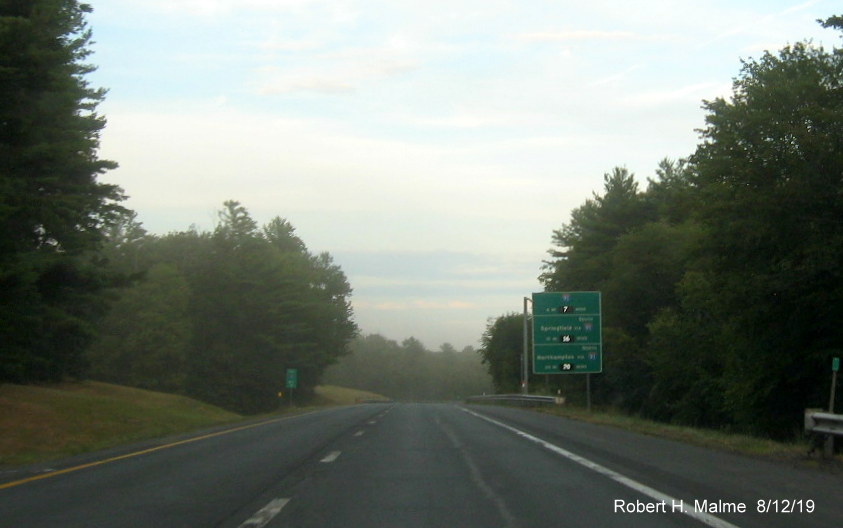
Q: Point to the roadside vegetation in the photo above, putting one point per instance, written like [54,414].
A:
[722,284]
[219,316]
[88,294]
[330,395]
[42,422]
[45,422]
[792,452]
[715,439]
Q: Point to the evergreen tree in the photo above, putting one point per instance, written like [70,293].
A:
[582,256]
[52,208]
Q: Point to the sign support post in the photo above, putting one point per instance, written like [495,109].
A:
[292,382]
[525,356]
[829,441]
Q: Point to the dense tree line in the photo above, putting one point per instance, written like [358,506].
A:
[52,208]
[408,371]
[221,315]
[86,292]
[722,280]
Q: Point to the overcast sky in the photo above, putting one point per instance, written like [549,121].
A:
[430,146]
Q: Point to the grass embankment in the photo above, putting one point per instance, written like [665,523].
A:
[726,441]
[40,423]
[328,395]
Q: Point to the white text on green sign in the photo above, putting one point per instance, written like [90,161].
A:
[567,333]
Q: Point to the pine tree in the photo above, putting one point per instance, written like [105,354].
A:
[52,208]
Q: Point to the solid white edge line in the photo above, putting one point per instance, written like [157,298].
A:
[266,514]
[330,457]
[709,520]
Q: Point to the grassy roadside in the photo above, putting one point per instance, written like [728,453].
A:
[45,422]
[39,423]
[792,452]
[330,395]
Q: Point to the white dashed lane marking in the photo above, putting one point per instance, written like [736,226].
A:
[330,457]
[266,514]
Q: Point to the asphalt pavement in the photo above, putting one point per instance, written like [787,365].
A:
[420,465]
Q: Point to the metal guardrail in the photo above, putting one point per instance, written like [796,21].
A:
[823,427]
[523,399]
[818,422]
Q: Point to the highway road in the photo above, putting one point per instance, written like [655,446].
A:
[419,465]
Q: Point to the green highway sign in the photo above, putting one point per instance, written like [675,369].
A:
[575,329]
[567,337]
[292,378]
[568,303]
[835,364]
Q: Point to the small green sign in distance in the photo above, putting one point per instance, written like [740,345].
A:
[835,364]
[292,378]
[567,337]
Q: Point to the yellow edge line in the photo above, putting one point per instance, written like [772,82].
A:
[143,452]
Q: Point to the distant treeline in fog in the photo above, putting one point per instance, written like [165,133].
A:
[410,372]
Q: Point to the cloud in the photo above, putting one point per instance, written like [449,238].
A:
[276,43]
[769,27]
[470,119]
[314,83]
[329,178]
[337,73]
[690,93]
[614,78]
[566,36]
[221,7]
